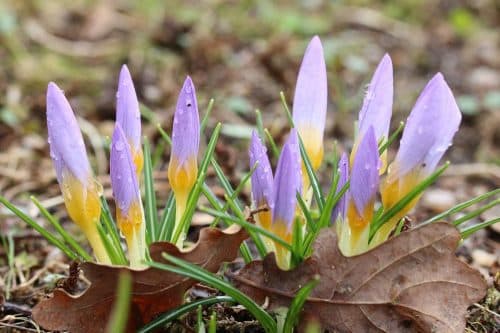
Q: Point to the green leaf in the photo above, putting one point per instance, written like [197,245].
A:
[298,301]
[150,214]
[110,229]
[119,315]
[469,231]
[461,206]
[46,234]
[405,200]
[182,310]
[66,237]
[195,272]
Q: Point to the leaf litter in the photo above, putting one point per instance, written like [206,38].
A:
[411,283]
[153,291]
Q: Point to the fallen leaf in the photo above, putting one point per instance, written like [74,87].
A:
[154,291]
[411,283]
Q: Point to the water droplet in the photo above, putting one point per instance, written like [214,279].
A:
[367,166]
[119,145]
[189,102]
[117,94]
[420,129]
[187,89]
[129,180]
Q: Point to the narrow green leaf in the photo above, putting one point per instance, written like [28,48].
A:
[167,220]
[119,315]
[164,134]
[249,226]
[274,148]
[405,200]
[150,213]
[111,229]
[260,126]
[46,234]
[385,145]
[66,237]
[200,325]
[476,212]
[208,111]
[167,317]
[470,230]
[298,301]
[461,206]
[212,324]
[193,271]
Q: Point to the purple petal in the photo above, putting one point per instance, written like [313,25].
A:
[122,171]
[67,148]
[429,129]
[186,129]
[310,99]
[262,178]
[377,105]
[287,181]
[127,109]
[341,207]
[365,172]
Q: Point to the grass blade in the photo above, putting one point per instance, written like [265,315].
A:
[66,237]
[119,315]
[46,234]
[469,231]
[298,301]
[150,213]
[190,270]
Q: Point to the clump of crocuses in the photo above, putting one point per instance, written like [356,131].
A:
[82,193]
[357,216]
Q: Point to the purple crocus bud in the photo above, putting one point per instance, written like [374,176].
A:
[287,183]
[428,133]
[262,180]
[377,105]
[129,116]
[129,212]
[310,101]
[67,150]
[429,130]
[183,167]
[364,182]
[341,208]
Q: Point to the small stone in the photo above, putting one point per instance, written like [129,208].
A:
[438,200]
[483,258]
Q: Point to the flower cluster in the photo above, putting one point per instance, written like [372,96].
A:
[428,132]
[82,192]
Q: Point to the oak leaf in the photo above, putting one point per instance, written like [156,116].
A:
[153,291]
[411,283]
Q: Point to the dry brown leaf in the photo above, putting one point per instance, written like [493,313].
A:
[154,291]
[411,283]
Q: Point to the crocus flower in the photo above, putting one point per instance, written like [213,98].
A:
[129,116]
[310,102]
[183,167]
[129,212]
[79,188]
[377,106]
[363,189]
[339,212]
[287,183]
[262,181]
[278,194]
[427,135]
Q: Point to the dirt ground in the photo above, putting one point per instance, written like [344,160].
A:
[242,53]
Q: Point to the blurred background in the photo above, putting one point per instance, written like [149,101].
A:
[243,53]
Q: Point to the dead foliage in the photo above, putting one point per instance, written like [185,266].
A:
[411,283]
[154,291]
